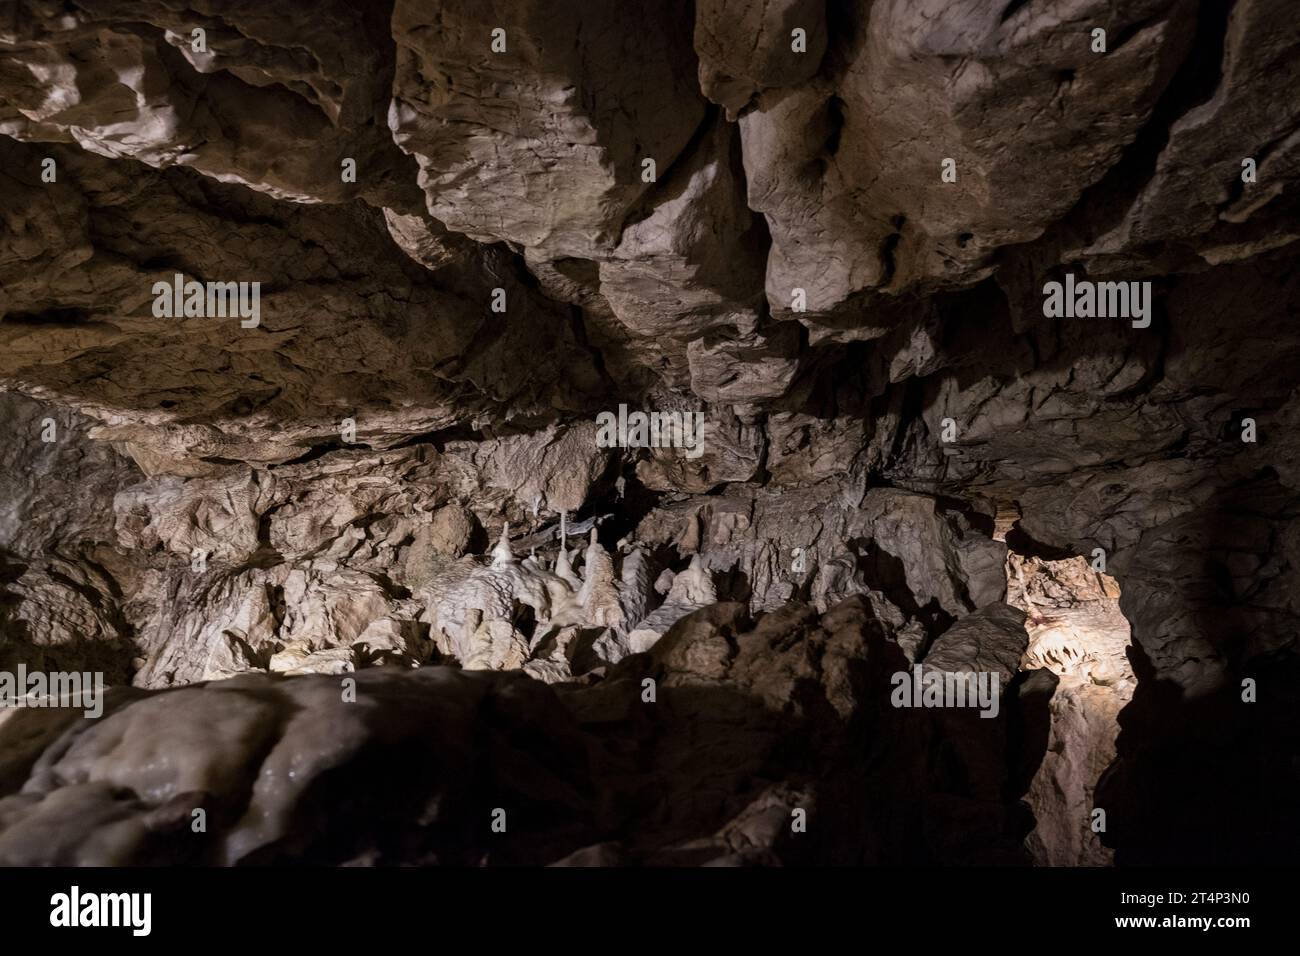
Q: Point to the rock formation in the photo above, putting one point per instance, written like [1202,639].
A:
[307,320]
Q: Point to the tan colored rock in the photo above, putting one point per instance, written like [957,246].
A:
[445,538]
[1197,184]
[990,640]
[848,168]
[369,480]
[124,80]
[541,144]
[691,590]
[1084,725]
[694,262]
[746,48]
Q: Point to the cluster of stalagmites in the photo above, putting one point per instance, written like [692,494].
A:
[579,608]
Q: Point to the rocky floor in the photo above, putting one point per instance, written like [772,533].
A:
[373,579]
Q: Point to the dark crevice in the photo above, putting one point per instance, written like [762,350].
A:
[317,451]
[1012,9]
[578,326]
[835,113]
[1022,543]
[441,438]
[1193,83]
[58,316]
[888,250]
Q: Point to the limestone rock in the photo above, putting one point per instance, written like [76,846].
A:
[126,80]
[990,640]
[745,49]
[542,148]
[835,253]
[691,590]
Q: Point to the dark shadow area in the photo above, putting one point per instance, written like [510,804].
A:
[1204,775]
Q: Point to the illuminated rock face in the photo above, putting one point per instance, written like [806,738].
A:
[822,229]
[1078,633]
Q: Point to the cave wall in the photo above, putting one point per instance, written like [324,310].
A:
[188,499]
